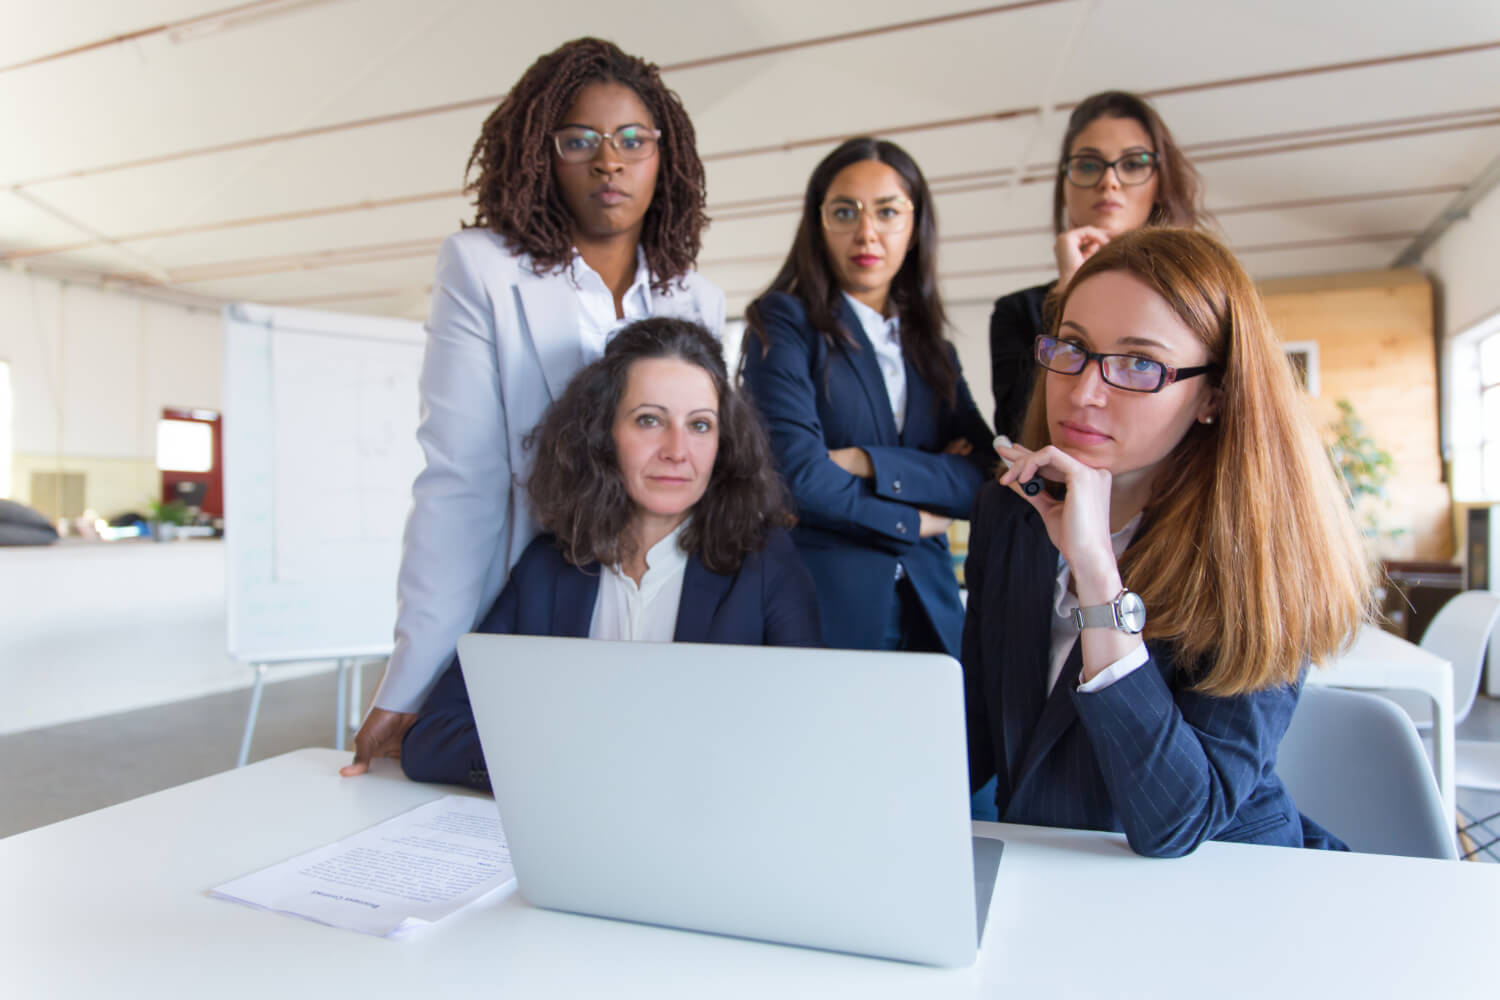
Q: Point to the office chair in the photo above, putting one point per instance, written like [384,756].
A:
[1353,762]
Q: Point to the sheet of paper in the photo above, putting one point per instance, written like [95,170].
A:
[402,874]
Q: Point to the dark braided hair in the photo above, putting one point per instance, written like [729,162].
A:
[515,192]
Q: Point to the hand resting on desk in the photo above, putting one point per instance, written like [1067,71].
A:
[379,736]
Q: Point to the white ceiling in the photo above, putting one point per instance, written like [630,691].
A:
[311,152]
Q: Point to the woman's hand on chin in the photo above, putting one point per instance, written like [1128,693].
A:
[1078,523]
[1075,246]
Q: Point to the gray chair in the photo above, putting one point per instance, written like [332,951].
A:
[1353,762]
[1460,633]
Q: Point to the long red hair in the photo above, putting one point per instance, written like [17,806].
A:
[1247,557]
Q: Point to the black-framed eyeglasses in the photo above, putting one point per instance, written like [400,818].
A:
[1087,170]
[1130,372]
[576,144]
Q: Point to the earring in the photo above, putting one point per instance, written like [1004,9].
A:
[1206,420]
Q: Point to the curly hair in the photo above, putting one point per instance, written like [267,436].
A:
[576,488]
[516,194]
[808,274]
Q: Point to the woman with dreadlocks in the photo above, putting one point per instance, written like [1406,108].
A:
[589,215]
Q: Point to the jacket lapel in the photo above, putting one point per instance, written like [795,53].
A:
[1057,715]
[547,306]
[702,593]
[575,593]
[867,370]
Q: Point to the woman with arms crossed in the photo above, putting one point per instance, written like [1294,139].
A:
[663,521]
[1119,170]
[871,423]
[1134,650]
[589,214]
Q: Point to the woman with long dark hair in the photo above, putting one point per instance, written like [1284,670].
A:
[663,520]
[1167,553]
[588,214]
[871,423]
[1119,169]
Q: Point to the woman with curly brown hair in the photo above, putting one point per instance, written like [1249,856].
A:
[589,214]
[663,519]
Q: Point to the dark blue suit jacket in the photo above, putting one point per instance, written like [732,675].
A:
[851,531]
[1146,755]
[769,602]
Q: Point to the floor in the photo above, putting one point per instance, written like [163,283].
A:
[62,771]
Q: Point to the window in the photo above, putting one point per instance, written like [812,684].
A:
[6,442]
[1474,375]
[184,446]
[1489,416]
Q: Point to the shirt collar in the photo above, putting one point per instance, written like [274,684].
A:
[871,320]
[664,562]
[581,273]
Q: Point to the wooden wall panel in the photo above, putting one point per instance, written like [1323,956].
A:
[1377,349]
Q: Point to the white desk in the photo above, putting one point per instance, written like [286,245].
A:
[113,903]
[1381,660]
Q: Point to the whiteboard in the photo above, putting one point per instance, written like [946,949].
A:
[320,450]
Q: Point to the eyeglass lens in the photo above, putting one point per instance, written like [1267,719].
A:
[1132,168]
[576,144]
[1124,371]
[843,216]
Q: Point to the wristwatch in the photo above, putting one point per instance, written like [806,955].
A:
[1127,612]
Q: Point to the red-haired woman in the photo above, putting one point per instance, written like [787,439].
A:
[1151,577]
[589,197]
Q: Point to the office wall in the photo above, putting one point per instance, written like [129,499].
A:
[91,370]
[1377,349]
[1465,264]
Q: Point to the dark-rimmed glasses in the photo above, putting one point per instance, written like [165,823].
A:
[576,144]
[1130,372]
[1087,170]
[890,215]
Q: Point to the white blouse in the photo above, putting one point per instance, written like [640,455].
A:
[597,323]
[885,336]
[646,612]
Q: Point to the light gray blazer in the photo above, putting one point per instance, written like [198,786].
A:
[502,344]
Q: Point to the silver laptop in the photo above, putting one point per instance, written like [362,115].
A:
[811,797]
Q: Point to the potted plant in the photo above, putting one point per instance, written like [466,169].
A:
[167,517]
[1365,468]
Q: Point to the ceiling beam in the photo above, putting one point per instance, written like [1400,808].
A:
[1455,211]
[998,115]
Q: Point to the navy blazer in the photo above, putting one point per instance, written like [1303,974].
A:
[1014,325]
[769,602]
[1146,755]
[852,531]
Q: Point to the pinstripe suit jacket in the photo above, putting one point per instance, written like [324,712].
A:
[1169,767]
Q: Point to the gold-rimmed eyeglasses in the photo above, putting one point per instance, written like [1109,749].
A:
[577,144]
[890,214]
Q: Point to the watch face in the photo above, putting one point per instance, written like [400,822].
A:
[1132,611]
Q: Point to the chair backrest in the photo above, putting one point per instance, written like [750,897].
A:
[1353,762]
[1460,634]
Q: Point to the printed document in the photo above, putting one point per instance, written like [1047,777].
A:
[405,873]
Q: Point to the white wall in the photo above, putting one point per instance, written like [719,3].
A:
[91,371]
[1466,264]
